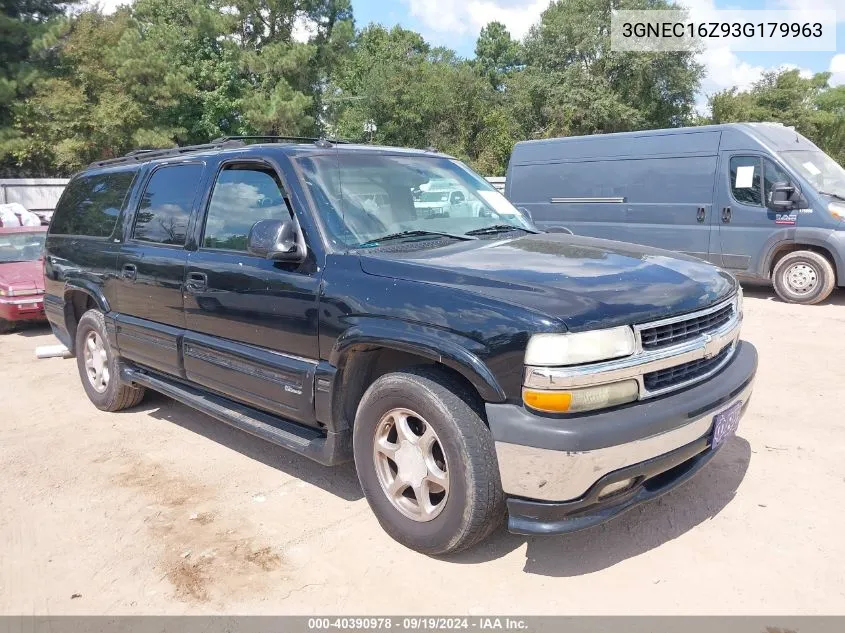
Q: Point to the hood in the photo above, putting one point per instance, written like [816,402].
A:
[584,282]
[22,275]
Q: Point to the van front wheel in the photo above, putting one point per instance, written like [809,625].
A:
[803,277]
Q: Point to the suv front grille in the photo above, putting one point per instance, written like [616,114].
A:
[679,374]
[680,331]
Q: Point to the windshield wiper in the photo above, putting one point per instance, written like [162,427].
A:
[415,233]
[832,195]
[499,228]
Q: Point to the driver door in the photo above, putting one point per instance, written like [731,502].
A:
[251,321]
[743,220]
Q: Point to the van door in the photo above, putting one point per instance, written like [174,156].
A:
[669,202]
[744,222]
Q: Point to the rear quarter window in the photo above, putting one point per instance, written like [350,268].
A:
[91,204]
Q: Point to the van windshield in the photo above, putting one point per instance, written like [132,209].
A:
[819,169]
[363,198]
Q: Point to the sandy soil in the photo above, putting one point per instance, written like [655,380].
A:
[163,510]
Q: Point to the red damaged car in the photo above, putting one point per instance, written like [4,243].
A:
[21,275]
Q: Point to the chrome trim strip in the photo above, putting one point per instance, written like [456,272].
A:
[706,345]
[547,475]
[613,200]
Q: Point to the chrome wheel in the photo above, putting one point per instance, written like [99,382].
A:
[801,278]
[96,361]
[411,465]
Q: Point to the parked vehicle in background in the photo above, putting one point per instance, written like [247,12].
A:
[757,199]
[15,214]
[466,362]
[21,275]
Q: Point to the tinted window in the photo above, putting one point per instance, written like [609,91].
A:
[242,196]
[90,204]
[166,205]
[746,180]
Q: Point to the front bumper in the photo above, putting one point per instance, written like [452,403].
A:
[554,470]
[22,308]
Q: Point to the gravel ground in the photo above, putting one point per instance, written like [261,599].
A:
[163,510]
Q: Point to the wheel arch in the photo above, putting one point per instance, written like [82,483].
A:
[78,299]
[362,355]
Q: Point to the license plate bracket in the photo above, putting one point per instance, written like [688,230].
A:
[725,424]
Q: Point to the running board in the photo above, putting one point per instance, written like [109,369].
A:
[329,449]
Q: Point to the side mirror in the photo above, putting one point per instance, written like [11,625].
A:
[277,240]
[782,196]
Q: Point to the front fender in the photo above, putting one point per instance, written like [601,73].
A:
[453,350]
[831,240]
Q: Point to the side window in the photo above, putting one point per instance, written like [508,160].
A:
[746,180]
[165,207]
[90,204]
[242,196]
[773,173]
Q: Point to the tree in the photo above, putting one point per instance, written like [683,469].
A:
[496,54]
[809,104]
[574,83]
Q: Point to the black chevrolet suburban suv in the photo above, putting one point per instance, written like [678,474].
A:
[324,298]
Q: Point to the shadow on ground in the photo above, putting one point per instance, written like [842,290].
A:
[641,529]
[340,480]
[767,293]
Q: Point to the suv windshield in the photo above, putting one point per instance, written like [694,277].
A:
[362,198]
[819,169]
[21,247]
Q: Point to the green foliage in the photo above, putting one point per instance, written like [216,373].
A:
[158,73]
[811,105]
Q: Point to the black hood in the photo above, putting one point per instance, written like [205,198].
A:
[585,282]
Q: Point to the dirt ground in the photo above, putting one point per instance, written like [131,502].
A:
[163,510]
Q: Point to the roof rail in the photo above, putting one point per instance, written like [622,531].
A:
[149,154]
[218,143]
[280,139]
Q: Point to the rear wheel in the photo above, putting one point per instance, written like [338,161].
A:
[6,326]
[426,462]
[98,366]
[803,277]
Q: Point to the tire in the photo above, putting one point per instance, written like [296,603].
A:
[473,504]
[109,394]
[6,326]
[804,277]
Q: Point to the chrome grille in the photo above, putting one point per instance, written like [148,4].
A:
[679,331]
[686,372]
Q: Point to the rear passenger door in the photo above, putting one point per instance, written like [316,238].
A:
[252,322]
[743,220]
[151,268]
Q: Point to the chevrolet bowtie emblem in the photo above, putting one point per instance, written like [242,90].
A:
[711,346]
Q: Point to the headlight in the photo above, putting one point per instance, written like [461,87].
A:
[583,399]
[837,210]
[555,350]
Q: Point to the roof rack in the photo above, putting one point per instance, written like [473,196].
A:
[149,154]
[218,143]
[281,139]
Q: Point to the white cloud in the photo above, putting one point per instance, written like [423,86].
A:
[815,5]
[107,6]
[303,29]
[450,17]
[837,70]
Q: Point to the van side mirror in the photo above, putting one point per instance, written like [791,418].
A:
[783,196]
[276,240]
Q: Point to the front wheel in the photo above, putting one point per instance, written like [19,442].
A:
[426,462]
[803,277]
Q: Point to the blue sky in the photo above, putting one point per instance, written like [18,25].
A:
[456,23]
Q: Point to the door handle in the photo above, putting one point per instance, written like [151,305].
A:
[702,213]
[726,214]
[197,282]
[129,271]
